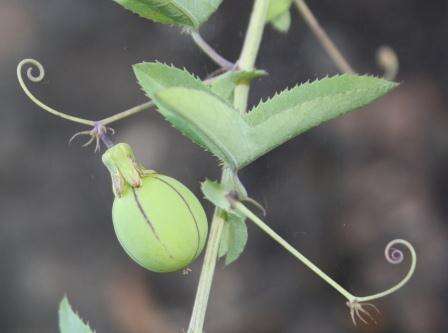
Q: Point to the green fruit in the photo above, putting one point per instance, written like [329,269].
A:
[160,224]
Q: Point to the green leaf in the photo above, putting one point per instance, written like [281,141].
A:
[359,90]
[282,23]
[155,76]
[233,239]
[295,111]
[208,121]
[277,8]
[216,194]
[184,13]
[224,85]
[69,322]
[234,235]
[201,112]
[224,241]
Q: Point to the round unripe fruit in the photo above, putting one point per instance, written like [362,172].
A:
[160,224]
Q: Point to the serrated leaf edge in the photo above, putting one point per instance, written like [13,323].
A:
[65,301]
[308,84]
[193,22]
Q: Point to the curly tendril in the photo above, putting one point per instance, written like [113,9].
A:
[34,64]
[40,69]
[358,305]
[395,256]
[388,60]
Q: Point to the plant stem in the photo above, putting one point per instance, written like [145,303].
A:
[127,113]
[323,37]
[211,52]
[206,279]
[246,62]
[263,226]
[250,49]
[208,268]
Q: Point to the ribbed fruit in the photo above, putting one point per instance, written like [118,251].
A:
[161,224]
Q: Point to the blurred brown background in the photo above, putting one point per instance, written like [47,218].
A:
[339,193]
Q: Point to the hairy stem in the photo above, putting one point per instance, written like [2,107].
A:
[323,37]
[246,62]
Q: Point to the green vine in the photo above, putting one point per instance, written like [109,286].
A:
[178,96]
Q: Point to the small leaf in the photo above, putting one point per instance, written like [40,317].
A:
[234,235]
[282,23]
[69,322]
[277,8]
[208,121]
[224,241]
[224,85]
[216,194]
[233,239]
[183,13]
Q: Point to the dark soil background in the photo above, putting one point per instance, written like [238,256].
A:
[339,193]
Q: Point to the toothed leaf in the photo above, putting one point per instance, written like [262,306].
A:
[208,121]
[277,8]
[201,113]
[314,91]
[184,13]
[69,321]
[295,111]
[282,23]
[155,76]
[224,85]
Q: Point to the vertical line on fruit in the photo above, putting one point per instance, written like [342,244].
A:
[145,216]
[189,209]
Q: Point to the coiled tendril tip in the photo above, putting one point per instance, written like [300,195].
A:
[394,256]
[29,72]
[388,60]
[34,64]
